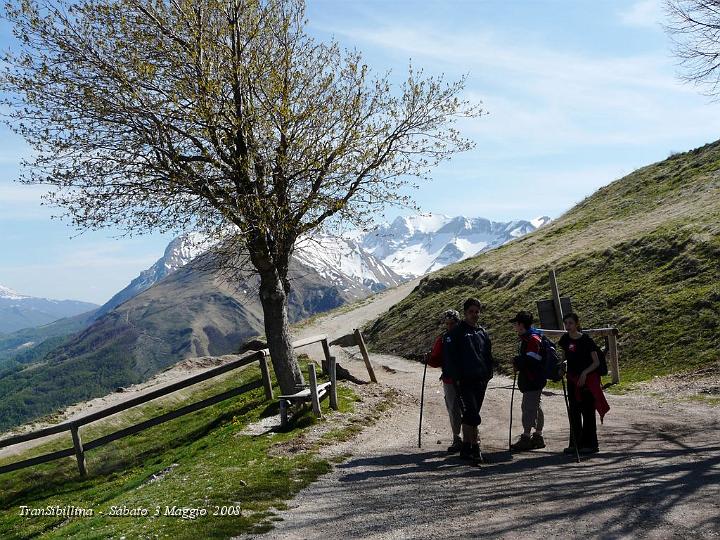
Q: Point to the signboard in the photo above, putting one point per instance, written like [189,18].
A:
[546,310]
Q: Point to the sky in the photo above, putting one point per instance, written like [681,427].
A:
[577,94]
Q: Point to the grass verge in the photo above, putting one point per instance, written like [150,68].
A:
[193,477]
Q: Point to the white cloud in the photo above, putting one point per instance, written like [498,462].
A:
[552,100]
[642,14]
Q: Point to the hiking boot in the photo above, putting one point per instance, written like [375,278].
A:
[476,455]
[471,453]
[586,450]
[523,444]
[456,446]
[538,441]
[569,450]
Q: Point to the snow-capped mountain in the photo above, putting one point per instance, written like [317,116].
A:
[18,311]
[9,294]
[344,263]
[355,272]
[361,264]
[416,245]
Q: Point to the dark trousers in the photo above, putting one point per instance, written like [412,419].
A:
[582,417]
[472,394]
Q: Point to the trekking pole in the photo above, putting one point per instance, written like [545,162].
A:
[572,435]
[512,398]
[422,402]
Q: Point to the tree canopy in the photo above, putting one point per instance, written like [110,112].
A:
[218,116]
[695,29]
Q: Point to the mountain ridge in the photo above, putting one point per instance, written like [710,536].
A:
[19,311]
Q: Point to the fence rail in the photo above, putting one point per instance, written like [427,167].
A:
[78,449]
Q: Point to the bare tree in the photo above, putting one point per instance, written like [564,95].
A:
[218,116]
[695,30]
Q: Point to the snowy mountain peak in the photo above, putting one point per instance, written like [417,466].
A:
[9,294]
[416,245]
[540,221]
[182,250]
[341,261]
[421,223]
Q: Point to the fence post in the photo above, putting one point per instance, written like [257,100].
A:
[267,382]
[79,452]
[326,352]
[314,391]
[283,412]
[614,360]
[363,350]
[333,383]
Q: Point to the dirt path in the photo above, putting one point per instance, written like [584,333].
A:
[657,475]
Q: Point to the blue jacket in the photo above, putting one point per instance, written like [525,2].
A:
[467,354]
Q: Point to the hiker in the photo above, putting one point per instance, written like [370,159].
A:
[585,393]
[531,380]
[467,354]
[435,359]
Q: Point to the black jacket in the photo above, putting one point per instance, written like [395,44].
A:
[529,363]
[467,353]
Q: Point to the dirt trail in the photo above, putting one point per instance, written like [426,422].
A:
[657,475]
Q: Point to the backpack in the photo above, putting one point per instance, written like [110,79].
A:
[550,359]
[603,367]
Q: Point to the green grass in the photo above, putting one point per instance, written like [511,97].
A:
[641,254]
[211,464]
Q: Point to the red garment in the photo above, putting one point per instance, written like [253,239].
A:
[436,355]
[592,383]
[436,358]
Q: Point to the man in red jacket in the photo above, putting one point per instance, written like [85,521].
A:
[435,359]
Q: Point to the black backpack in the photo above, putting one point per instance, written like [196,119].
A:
[603,367]
[550,359]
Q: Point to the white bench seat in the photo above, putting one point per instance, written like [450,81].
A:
[302,396]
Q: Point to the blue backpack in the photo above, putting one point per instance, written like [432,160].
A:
[550,359]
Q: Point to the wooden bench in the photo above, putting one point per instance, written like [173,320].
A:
[314,394]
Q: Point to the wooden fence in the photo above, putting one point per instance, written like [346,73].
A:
[78,449]
[612,353]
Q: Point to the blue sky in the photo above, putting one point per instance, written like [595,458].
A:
[579,93]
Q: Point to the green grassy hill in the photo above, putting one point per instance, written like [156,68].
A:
[202,461]
[642,253]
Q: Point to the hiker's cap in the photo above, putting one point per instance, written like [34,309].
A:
[450,315]
[523,317]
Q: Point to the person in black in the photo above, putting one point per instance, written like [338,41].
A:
[582,360]
[467,352]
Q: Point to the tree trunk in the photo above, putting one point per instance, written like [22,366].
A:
[274,301]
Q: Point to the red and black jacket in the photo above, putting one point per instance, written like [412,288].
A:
[529,363]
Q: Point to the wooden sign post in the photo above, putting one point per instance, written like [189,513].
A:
[551,320]
[557,303]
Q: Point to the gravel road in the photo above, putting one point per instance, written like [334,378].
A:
[657,474]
